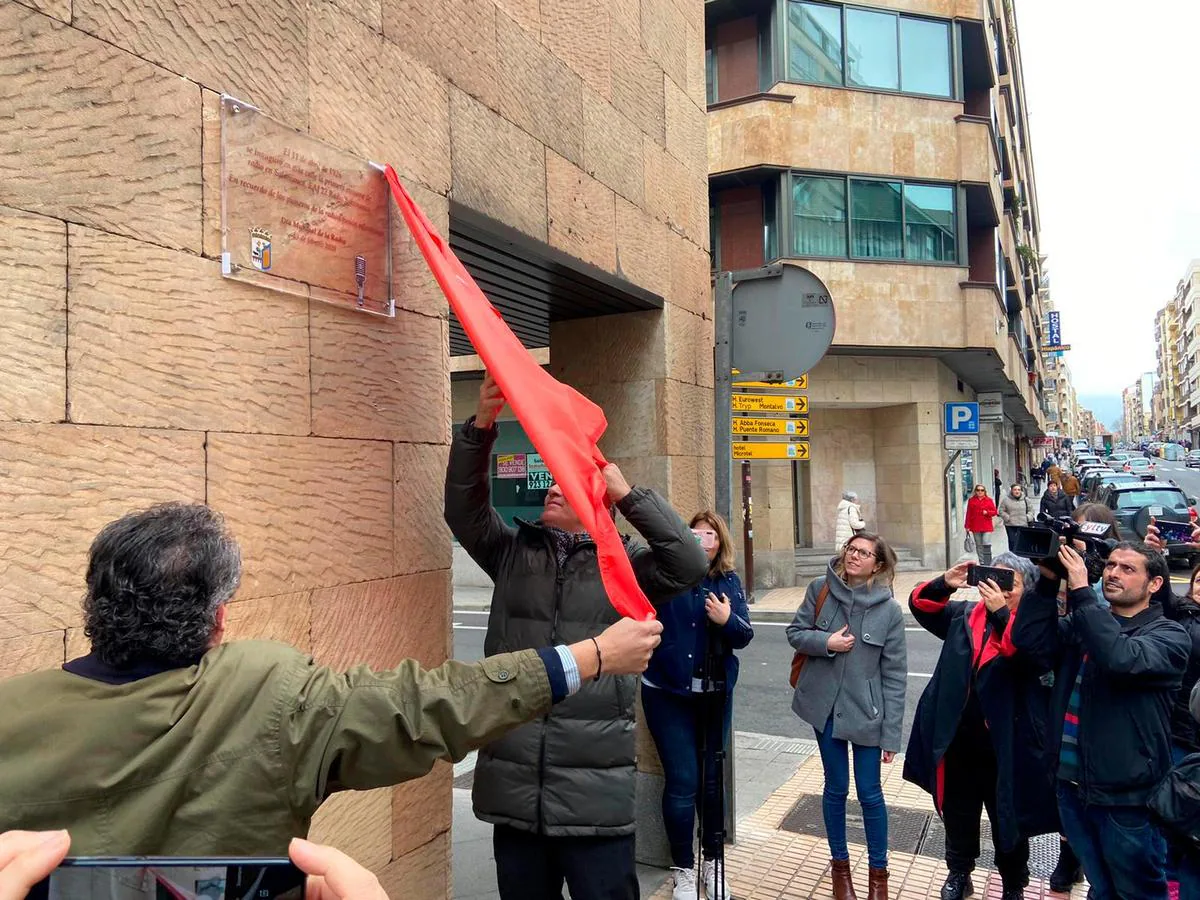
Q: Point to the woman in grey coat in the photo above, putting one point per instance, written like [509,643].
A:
[851,691]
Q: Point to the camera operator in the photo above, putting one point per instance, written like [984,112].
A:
[166,740]
[978,738]
[1117,675]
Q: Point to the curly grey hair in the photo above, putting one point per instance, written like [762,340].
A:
[155,580]
[850,495]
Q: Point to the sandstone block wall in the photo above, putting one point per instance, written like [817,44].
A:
[131,372]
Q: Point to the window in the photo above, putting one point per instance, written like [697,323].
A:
[843,45]
[872,59]
[874,219]
[710,75]
[929,223]
[877,219]
[815,43]
[925,56]
[819,216]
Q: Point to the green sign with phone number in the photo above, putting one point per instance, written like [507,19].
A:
[539,481]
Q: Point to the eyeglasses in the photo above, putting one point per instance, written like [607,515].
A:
[860,553]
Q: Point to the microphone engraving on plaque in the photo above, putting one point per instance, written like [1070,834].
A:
[360,277]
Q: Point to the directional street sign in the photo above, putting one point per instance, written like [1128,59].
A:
[770,450]
[752,425]
[769,403]
[796,384]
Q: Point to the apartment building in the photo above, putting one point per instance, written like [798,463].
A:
[1177,364]
[887,149]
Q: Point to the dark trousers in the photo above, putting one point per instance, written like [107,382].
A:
[676,723]
[1122,852]
[533,867]
[970,788]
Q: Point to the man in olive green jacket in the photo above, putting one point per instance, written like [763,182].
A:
[163,740]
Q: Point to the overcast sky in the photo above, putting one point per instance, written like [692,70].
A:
[1112,92]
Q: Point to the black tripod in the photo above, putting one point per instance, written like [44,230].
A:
[712,734]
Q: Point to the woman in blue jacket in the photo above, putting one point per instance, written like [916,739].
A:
[674,704]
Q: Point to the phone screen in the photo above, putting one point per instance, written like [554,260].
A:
[1174,532]
[171,878]
[1002,577]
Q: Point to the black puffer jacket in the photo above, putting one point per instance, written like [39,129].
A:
[571,774]
[1185,730]
[1055,505]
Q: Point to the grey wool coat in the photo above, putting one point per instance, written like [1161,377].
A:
[862,690]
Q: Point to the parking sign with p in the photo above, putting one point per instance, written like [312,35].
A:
[962,418]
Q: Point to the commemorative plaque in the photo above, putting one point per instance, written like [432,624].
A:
[300,216]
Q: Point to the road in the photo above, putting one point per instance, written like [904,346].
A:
[762,700]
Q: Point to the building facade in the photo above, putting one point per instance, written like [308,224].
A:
[560,148]
[1176,352]
[886,148]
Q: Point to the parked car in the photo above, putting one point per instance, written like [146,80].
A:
[1141,466]
[1165,500]
[1118,457]
[1086,459]
[1091,481]
[1192,460]
[1102,480]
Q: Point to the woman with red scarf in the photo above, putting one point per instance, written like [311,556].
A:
[981,511]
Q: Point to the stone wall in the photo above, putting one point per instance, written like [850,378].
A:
[131,372]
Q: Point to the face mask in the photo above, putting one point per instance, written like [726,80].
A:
[707,538]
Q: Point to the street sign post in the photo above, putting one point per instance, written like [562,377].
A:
[770,450]
[962,418]
[753,425]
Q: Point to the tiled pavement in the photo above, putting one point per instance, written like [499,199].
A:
[769,863]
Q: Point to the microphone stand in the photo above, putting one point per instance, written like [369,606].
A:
[712,727]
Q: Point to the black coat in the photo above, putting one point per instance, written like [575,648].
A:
[1015,700]
[1134,669]
[1185,731]
[1056,505]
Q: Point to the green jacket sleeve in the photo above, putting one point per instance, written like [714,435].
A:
[361,729]
[674,562]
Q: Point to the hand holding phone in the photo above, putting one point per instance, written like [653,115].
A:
[1003,578]
[1174,532]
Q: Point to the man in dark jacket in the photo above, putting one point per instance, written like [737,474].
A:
[1055,503]
[979,736]
[560,791]
[1117,675]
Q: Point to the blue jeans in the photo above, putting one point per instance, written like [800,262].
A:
[1123,853]
[835,758]
[676,722]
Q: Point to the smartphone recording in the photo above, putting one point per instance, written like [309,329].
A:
[976,575]
[1174,532]
[171,878]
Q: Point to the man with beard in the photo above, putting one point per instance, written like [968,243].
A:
[1117,674]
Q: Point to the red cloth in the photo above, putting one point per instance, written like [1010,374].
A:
[562,424]
[980,512]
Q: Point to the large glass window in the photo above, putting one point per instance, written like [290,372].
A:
[876,219]
[873,219]
[815,42]
[818,216]
[925,56]
[844,45]
[929,223]
[871,50]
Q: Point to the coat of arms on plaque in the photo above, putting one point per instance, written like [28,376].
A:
[260,249]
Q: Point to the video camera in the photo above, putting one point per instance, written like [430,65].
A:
[1040,543]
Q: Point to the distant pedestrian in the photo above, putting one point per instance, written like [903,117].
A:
[1054,502]
[981,511]
[851,689]
[849,520]
[1016,511]
[1070,486]
[997,485]
[1037,476]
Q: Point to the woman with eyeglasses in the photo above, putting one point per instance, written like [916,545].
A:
[849,636]
[701,629]
[981,514]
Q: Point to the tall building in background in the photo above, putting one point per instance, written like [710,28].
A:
[1146,396]
[1178,362]
[887,149]
[1131,405]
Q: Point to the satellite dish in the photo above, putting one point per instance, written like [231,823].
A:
[782,325]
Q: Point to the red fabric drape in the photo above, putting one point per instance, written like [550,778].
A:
[562,424]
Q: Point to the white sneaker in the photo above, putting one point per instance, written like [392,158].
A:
[685,884]
[708,872]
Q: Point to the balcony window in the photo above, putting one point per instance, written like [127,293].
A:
[815,43]
[839,45]
[877,219]
[929,223]
[819,213]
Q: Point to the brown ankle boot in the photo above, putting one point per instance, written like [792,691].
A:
[843,885]
[877,884]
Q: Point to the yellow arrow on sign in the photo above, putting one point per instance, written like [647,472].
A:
[751,425]
[770,450]
[770,403]
[796,384]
